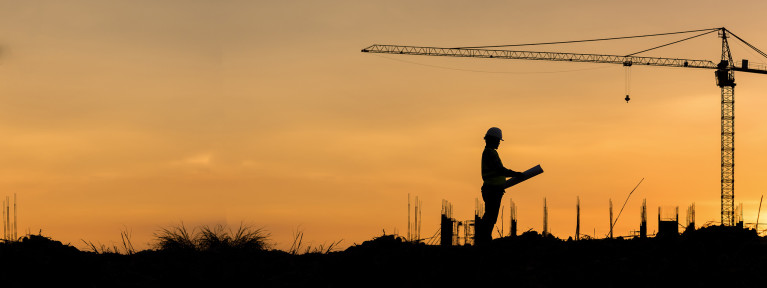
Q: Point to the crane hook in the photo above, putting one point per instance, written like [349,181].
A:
[627,71]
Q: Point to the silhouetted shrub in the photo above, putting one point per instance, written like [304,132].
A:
[176,238]
[217,238]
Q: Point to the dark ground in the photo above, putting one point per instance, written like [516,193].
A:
[708,257]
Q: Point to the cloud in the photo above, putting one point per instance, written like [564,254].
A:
[198,160]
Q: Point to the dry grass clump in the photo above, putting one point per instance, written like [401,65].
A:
[216,238]
[127,245]
[298,247]
[176,238]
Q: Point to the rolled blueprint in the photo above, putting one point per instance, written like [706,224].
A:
[530,173]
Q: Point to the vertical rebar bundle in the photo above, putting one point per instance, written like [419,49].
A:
[9,228]
[15,220]
[643,224]
[5,222]
[513,216]
[739,215]
[469,231]
[500,234]
[545,218]
[611,218]
[447,225]
[479,209]
[741,212]
[691,216]
[417,223]
[477,219]
[414,229]
[578,219]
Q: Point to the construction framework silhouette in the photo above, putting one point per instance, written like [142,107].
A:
[724,72]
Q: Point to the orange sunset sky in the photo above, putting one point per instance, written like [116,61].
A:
[137,115]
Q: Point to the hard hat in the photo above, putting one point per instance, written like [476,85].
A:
[494,132]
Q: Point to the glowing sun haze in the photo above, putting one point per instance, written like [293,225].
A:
[138,115]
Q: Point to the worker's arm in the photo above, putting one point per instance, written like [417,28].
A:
[494,164]
[512,173]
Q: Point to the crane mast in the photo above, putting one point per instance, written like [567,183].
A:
[725,79]
[724,72]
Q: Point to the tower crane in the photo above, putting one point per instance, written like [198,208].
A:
[723,71]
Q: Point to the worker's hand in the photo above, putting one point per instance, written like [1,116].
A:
[518,174]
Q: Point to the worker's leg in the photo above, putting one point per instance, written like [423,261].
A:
[492,199]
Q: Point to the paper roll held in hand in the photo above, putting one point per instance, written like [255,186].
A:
[530,173]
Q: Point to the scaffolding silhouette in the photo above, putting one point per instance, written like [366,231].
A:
[690,218]
[453,232]
[668,224]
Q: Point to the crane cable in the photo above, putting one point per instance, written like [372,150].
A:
[749,44]
[627,69]
[667,44]
[624,205]
[627,66]
[592,40]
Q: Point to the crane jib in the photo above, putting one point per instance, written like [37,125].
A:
[549,56]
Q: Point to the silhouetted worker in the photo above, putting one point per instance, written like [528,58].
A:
[494,176]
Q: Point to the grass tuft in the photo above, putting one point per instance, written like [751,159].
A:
[298,246]
[101,248]
[127,245]
[216,238]
[247,237]
[176,238]
[125,235]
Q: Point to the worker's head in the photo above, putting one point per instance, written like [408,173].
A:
[493,137]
